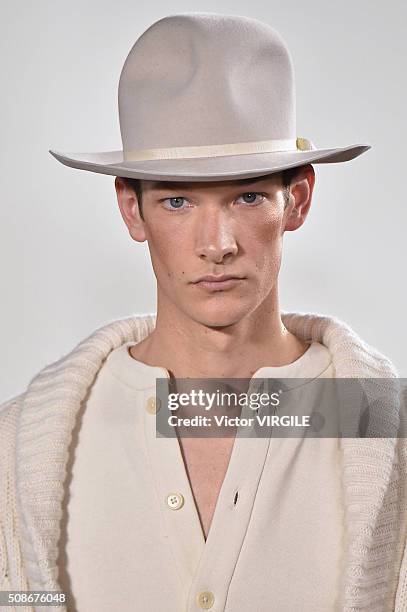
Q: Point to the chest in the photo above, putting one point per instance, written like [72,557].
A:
[206,462]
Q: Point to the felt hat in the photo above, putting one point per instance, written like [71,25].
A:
[207,97]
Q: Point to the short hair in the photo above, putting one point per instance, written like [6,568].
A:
[286,176]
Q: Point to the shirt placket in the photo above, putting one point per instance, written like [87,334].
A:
[181,521]
[205,568]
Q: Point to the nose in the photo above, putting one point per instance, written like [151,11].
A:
[215,239]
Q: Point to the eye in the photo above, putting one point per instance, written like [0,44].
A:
[173,204]
[251,197]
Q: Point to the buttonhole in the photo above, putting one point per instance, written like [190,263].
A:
[235,499]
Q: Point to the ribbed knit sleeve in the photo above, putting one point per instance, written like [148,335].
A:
[12,572]
[401,597]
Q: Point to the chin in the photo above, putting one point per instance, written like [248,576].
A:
[219,316]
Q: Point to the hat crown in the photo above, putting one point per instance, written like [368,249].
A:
[206,79]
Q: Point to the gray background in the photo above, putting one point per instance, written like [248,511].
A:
[68,264]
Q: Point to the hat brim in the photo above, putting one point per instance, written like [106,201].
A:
[205,168]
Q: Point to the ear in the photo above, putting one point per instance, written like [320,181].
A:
[299,203]
[129,210]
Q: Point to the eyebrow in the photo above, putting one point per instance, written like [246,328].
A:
[159,185]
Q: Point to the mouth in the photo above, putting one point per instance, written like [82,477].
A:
[218,283]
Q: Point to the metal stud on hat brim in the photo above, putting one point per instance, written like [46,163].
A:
[197,103]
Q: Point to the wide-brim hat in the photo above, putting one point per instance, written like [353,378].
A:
[207,97]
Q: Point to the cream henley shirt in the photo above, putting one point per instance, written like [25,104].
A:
[131,536]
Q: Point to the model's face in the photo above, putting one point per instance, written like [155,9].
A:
[232,228]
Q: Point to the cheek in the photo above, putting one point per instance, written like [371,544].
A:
[263,241]
[167,252]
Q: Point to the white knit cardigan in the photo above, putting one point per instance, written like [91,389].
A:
[36,432]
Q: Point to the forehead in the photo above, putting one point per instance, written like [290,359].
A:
[255,182]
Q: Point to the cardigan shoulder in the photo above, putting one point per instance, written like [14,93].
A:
[11,404]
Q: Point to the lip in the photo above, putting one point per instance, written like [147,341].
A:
[218,283]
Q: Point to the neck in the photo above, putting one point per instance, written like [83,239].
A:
[190,349]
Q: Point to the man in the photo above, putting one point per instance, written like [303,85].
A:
[211,175]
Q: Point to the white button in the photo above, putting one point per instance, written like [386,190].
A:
[153,405]
[175,501]
[205,600]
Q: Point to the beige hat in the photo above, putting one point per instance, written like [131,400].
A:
[207,97]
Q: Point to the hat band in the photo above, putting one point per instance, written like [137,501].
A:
[238,148]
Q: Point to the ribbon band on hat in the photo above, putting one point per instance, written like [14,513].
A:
[239,148]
